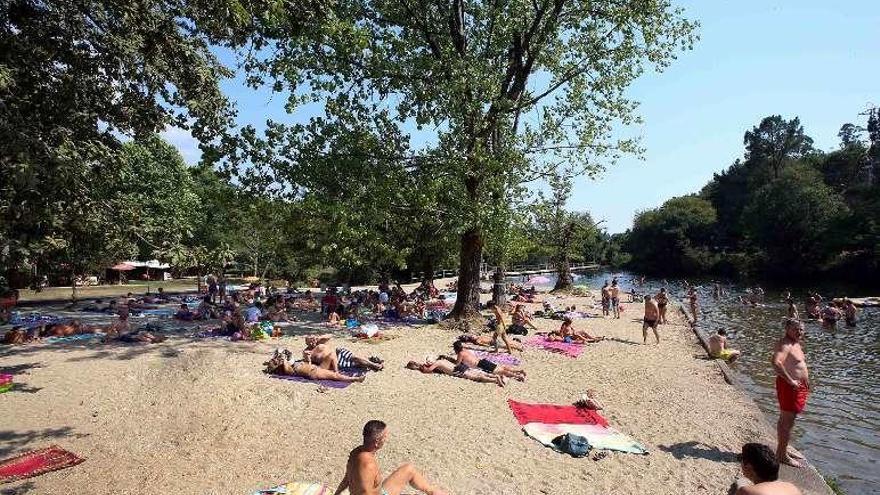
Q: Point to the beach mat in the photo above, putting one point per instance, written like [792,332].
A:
[36,462]
[73,338]
[499,358]
[296,488]
[570,350]
[554,414]
[325,383]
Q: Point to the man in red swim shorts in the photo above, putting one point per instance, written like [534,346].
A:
[792,386]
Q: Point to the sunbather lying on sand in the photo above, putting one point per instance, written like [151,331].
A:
[468,358]
[443,367]
[280,365]
[319,352]
[486,341]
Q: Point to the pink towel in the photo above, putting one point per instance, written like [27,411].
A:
[570,350]
[498,358]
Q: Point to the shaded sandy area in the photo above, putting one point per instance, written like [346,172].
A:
[199,416]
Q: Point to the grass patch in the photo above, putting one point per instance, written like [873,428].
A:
[834,484]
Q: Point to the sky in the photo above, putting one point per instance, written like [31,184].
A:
[814,59]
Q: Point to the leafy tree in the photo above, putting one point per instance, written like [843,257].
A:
[789,220]
[498,83]
[675,238]
[850,135]
[776,141]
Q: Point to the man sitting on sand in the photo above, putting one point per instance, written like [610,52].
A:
[466,358]
[280,364]
[444,367]
[319,352]
[362,475]
[651,319]
[718,347]
[759,466]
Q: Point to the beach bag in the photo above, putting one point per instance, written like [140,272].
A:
[573,445]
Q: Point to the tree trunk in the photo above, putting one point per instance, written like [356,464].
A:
[498,288]
[467,302]
[73,295]
[428,269]
[563,271]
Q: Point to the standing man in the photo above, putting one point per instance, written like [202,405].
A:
[692,298]
[362,475]
[615,298]
[662,301]
[652,317]
[792,385]
[606,299]
[500,328]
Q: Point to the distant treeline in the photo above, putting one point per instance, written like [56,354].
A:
[786,211]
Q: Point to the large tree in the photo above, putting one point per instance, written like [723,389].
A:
[776,142]
[503,88]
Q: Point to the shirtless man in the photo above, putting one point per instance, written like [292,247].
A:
[850,312]
[500,328]
[792,309]
[662,300]
[362,476]
[761,468]
[485,341]
[466,359]
[444,367]
[692,298]
[606,299]
[615,298]
[568,334]
[792,385]
[812,305]
[718,347]
[652,317]
[329,357]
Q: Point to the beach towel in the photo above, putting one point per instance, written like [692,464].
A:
[544,422]
[570,350]
[36,462]
[498,358]
[73,338]
[554,414]
[296,488]
[325,383]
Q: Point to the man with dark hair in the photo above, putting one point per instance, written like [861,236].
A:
[362,476]
[759,465]
[792,385]
[718,347]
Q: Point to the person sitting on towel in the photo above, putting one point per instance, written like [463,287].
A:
[362,474]
[280,365]
[444,367]
[567,334]
[465,357]
[759,465]
[320,352]
[184,313]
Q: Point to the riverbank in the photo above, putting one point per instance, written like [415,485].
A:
[199,416]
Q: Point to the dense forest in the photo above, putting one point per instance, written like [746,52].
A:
[785,211]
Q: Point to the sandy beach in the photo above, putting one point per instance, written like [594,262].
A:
[199,416]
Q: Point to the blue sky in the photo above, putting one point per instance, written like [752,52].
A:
[818,60]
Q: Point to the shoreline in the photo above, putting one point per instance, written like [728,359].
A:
[199,416]
[808,478]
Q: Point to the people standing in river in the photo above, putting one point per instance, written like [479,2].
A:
[651,319]
[811,305]
[716,290]
[615,298]
[792,309]
[849,312]
[662,300]
[792,386]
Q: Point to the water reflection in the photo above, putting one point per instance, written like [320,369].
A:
[840,429]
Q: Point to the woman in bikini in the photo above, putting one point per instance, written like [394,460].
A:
[279,365]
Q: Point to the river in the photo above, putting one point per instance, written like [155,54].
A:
[840,429]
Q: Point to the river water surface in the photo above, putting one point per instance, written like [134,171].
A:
[840,429]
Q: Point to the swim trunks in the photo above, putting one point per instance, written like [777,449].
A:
[650,323]
[791,399]
[487,366]
[615,301]
[724,354]
[344,357]
[460,368]
[567,339]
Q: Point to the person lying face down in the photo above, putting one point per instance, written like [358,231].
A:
[466,357]
[443,367]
